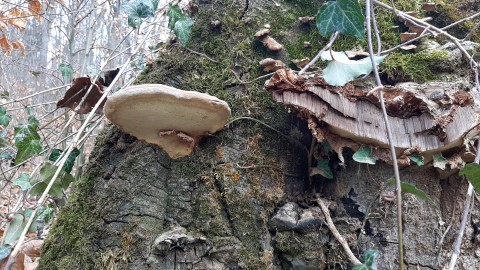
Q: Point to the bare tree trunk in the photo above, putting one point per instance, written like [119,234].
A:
[242,201]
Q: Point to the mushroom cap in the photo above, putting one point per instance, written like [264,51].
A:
[261,33]
[158,114]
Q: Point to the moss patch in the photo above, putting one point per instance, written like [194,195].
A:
[69,242]
[417,67]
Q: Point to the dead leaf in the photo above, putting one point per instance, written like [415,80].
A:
[32,248]
[6,45]
[108,77]
[18,45]
[35,7]
[18,18]
[76,93]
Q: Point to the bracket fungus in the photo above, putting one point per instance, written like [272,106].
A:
[348,117]
[165,116]
[270,43]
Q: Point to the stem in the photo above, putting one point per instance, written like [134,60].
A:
[463,223]
[338,236]
[389,135]
[319,54]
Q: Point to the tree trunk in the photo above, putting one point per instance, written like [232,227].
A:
[243,200]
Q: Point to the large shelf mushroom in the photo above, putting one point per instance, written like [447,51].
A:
[165,116]
[421,124]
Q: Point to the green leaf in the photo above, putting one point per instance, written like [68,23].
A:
[322,169]
[139,10]
[23,181]
[27,140]
[418,159]
[5,251]
[46,173]
[182,30]
[363,156]
[66,70]
[45,213]
[174,14]
[16,225]
[370,257]
[341,70]
[39,188]
[6,155]
[472,172]
[412,189]
[439,161]
[344,16]
[4,118]
[56,153]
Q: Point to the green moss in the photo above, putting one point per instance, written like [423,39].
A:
[417,67]
[68,240]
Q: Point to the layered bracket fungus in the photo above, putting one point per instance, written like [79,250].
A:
[426,119]
[165,116]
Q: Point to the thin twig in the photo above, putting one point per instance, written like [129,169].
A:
[34,94]
[338,236]
[333,37]
[389,135]
[463,222]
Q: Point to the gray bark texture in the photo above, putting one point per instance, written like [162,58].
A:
[243,200]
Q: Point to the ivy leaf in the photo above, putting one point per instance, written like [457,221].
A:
[174,14]
[5,251]
[418,159]
[46,173]
[6,155]
[344,16]
[27,140]
[439,161]
[139,10]
[23,181]
[322,169]
[182,30]
[472,172]
[4,118]
[56,153]
[66,70]
[363,156]
[412,189]
[341,70]
[16,225]
[370,261]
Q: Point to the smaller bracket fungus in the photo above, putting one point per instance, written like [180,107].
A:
[270,43]
[165,116]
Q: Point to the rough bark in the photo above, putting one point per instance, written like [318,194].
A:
[242,201]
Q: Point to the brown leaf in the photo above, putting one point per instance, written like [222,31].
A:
[17,265]
[6,45]
[32,248]
[18,18]
[35,7]
[77,91]
[19,45]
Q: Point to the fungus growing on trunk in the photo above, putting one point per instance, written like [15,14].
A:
[165,116]
[270,43]
[420,124]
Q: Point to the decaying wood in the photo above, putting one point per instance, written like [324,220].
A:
[347,111]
